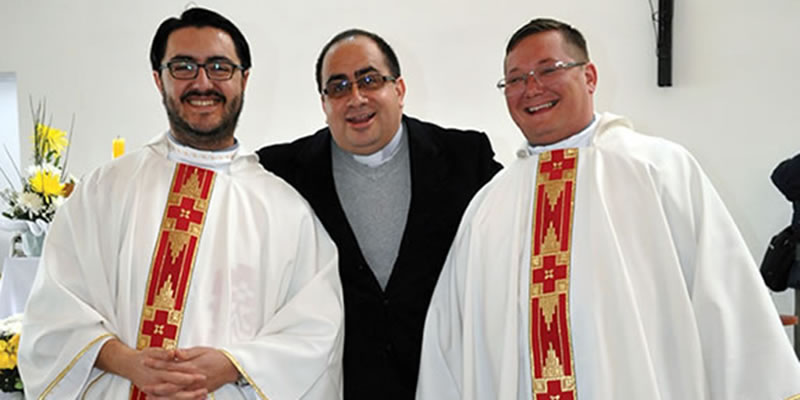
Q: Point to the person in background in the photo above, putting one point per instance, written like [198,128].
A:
[786,178]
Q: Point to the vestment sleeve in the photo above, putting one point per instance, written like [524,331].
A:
[297,352]
[746,352]
[69,314]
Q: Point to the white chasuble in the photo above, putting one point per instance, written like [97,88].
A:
[657,296]
[263,287]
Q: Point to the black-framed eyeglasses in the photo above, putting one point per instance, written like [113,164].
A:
[217,70]
[339,88]
[544,75]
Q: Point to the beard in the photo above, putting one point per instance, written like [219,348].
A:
[209,136]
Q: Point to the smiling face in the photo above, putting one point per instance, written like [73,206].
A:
[548,114]
[363,121]
[202,112]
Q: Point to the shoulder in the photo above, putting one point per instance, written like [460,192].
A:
[124,170]
[670,168]
[262,187]
[616,137]
[497,209]
[506,188]
[450,136]
[786,177]
[278,156]
[468,149]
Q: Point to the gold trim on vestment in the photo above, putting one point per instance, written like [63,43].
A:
[89,386]
[71,364]
[244,373]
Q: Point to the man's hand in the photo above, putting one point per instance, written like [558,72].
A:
[215,366]
[160,377]
[154,371]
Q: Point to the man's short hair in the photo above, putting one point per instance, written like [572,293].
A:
[198,18]
[388,54]
[571,35]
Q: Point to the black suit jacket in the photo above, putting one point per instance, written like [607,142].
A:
[383,330]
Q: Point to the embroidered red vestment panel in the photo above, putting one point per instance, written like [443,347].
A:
[173,259]
[553,374]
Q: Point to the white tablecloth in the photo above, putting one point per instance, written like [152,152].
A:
[15,284]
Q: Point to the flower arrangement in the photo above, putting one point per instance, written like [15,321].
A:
[43,187]
[10,380]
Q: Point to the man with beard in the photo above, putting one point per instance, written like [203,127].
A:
[154,281]
[390,189]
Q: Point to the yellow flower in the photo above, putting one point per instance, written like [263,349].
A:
[13,344]
[6,362]
[3,346]
[51,139]
[47,183]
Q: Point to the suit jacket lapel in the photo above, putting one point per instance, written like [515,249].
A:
[321,193]
[426,177]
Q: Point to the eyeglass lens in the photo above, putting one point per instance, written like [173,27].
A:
[216,70]
[544,75]
[342,87]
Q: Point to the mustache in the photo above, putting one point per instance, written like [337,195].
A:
[207,93]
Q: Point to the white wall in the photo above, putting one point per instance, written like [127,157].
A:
[9,144]
[733,103]
[9,130]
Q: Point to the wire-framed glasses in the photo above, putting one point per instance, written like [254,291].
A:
[339,88]
[544,75]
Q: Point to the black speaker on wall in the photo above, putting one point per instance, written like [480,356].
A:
[664,45]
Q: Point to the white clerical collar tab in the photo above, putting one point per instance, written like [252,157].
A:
[383,155]
[211,159]
[578,140]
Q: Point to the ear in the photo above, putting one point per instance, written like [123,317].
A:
[157,79]
[324,106]
[400,89]
[590,74]
[245,76]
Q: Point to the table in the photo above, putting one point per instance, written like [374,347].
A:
[16,283]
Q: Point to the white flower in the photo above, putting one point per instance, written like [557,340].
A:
[11,325]
[51,168]
[33,169]
[57,202]
[44,167]
[31,202]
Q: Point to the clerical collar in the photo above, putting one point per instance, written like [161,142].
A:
[217,160]
[580,139]
[383,155]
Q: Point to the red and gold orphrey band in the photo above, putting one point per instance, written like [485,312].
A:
[173,259]
[552,369]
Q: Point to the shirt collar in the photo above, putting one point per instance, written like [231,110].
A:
[217,160]
[383,155]
[580,139]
